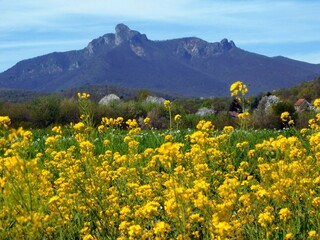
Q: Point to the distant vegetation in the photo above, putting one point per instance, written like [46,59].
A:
[34,110]
[308,90]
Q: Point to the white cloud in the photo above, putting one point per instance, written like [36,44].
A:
[255,19]
[15,45]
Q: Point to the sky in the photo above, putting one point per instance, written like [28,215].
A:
[30,28]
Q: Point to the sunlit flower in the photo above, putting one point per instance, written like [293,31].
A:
[285,214]
[161,228]
[316,103]
[312,234]
[177,117]
[4,121]
[83,95]
[167,104]
[244,115]
[228,129]
[147,121]
[238,87]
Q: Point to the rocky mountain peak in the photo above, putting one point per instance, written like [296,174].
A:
[227,45]
[122,29]
[124,34]
[195,47]
[110,40]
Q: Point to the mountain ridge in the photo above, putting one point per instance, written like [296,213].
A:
[186,66]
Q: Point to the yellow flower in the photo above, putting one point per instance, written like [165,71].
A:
[54,199]
[106,142]
[223,228]
[135,230]
[125,212]
[2,182]
[228,129]
[168,138]
[88,237]
[177,117]
[79,126]
[127,139]
[56,129]
[205,125]
[251,153]
[238,87]
[83,95]
[244,115]
[242,144]
[100,128]
[312,234]
[161,228]
[291,122]
[50,141]
[288,236]
[285,214]
[285,116]
[303,131]
[167,104]
[4,121]
[266,217]
[86,145]
[147,121]
[316,103]
[132,123]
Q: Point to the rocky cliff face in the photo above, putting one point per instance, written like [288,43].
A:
[187,66]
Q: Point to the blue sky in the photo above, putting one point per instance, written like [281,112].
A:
[29,28]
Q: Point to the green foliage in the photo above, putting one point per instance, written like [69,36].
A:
[53,109]
[159,117]
[281,107]
[308,90]
[45,110]
[18,112]
[69,111]
[303,118]
[142,95]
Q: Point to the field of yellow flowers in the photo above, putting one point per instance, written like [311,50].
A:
[82,182]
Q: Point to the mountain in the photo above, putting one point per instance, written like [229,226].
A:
[187,66]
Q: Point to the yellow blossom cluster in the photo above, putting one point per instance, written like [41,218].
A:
[244,116]
[77,182]
[4,121]
[147,121]
[110,123]
[83,95]
[177,117]
[286,118]
[316,103]
[238,87]
[167,104]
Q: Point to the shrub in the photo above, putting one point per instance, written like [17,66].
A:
[69,111]
[45,110]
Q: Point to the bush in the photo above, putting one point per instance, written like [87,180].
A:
[19,114]
[69,111]
[281,107]
[45,110]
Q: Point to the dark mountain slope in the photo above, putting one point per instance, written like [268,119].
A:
[187,66]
